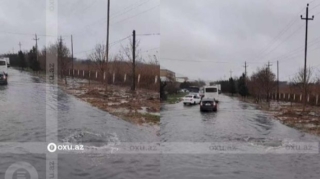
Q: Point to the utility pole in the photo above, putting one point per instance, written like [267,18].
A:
[305,56]
[269,66]
[245,73]
[107,47]
[245,69]
[60,61]
[268,80]
[277,81]
[36,39]
[133,88]
[72,54]
[20,45]
[230,73]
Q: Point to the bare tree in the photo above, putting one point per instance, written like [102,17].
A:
[126,55]
[262,83]
[298,82]
[98,56]
[62,53]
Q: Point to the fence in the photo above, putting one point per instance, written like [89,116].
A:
[312,99]
[142,81]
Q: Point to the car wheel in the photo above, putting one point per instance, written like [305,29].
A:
[184,103]
[194,103]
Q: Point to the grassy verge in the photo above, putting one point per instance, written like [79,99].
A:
[175,98]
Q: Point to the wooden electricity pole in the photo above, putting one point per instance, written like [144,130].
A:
[277,81]
[305,57]
[20,46]
[133,87]
[72,55]
[245,73]
[107,49]
[36,39]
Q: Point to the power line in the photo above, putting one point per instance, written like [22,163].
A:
[26,34]
[111,44]
[115,42]
[125,9]
[111,16]
[134,7]
[283,31]
[136,15]
[311,43]
[283,41]
[152,34]
[184,60]
[275,39]
[75,6]
[88,7]
[150,50]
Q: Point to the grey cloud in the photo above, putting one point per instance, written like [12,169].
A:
[233,32]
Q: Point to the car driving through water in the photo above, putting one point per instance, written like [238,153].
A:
[3,71]
[191,99]
[210,98]
[208,104]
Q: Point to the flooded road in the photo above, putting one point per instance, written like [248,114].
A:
[23,119]
[235,123]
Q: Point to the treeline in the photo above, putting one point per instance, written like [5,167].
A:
[36,60]
[24,60]
[96,61]
[263,83]
[234,85]
[259,85]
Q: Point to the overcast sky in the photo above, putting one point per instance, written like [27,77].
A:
[209,38]
[85,20]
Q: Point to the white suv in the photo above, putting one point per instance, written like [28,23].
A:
[191,99]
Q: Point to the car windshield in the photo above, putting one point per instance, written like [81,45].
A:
[189,96]
[2,63]
[211,90]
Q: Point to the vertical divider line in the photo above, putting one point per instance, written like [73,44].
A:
[51,88]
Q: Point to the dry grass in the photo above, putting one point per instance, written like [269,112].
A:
[147,72]
[140,107]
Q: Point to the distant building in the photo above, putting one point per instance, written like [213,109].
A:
[181,79]
[167,75]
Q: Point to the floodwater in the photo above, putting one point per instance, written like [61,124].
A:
[235,123]
[23,109]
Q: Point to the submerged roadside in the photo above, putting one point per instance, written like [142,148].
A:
[292,115]
[140,107]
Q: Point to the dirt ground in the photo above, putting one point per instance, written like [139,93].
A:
[292,115]
[141,107]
